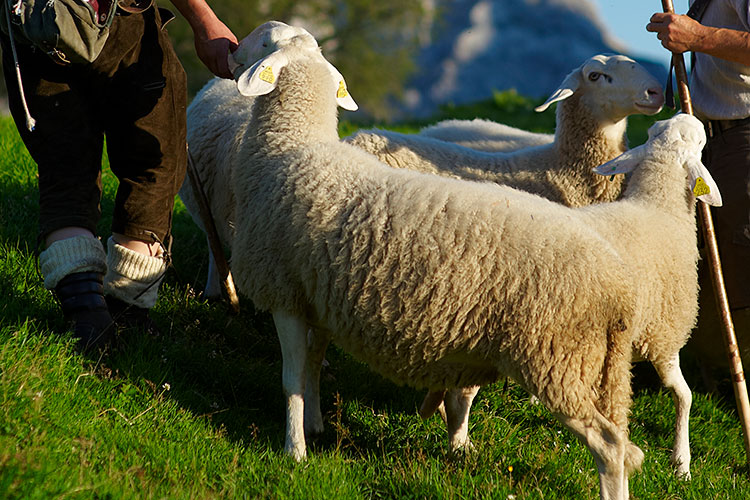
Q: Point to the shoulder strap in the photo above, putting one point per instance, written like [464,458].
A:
[697,9]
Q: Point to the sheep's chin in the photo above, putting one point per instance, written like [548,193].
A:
[648,109]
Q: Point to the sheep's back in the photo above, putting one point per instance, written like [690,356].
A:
[435,282]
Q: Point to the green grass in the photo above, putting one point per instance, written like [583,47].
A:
[198,412]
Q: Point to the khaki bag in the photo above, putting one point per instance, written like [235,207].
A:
[67,30]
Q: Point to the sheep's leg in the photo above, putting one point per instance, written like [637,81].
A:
[292,332]
[672,378]
[455,412]
[608,446]
[317,343]
[432,402]
[213,280]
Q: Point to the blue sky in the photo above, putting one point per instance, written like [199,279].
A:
[627,19]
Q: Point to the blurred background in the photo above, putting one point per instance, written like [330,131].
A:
[405,59]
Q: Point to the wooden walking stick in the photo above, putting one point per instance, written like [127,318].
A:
[227,283]
[714,264]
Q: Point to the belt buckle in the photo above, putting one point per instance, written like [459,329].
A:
[709,126]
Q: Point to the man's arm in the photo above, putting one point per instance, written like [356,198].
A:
[213,39]
[679,33]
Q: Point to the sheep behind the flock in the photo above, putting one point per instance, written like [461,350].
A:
[485,135]
[433,282]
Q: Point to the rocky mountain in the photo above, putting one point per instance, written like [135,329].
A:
[475,47]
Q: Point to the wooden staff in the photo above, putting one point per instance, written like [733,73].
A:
[227,283]
[714,264]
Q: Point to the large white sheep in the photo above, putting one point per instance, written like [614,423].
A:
[437,282]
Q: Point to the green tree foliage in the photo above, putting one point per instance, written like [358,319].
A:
[373,44]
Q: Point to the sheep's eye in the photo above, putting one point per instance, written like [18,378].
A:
[265,44]
[594,76]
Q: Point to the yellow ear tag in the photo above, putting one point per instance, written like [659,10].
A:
[341,92]
[267,75]
[701,187]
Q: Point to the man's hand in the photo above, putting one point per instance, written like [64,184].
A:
[213,46]
[213,39]
[681,34]
[677,33]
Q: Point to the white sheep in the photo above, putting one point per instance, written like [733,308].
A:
[210,123]
[485,135]
[594,103]
[614,87]
[437,282]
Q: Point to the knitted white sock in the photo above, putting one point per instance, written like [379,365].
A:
[71,255]
[131,276]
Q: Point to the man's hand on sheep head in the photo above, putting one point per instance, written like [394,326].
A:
[265,39]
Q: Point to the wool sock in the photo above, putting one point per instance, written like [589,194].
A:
[133,277]
[71,255]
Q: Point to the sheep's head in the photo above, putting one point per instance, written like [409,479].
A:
[265,39]
[684,137]
[263,53]
[613,87]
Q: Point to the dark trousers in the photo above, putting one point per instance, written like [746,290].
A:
[727,157]
[135,95]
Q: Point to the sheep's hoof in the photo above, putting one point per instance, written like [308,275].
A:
[297,454]
[463,449]
[682,471]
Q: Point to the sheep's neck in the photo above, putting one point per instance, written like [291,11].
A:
[302,110]
[583,143]
[660,187]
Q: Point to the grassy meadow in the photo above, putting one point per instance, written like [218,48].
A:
[198,412]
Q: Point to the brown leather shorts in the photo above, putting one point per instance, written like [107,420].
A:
[727,156]
[135,95]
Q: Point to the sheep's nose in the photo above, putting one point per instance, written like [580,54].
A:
[655,94]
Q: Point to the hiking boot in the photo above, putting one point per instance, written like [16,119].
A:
[128,316]
[81,297]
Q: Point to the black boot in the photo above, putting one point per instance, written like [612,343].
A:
[128,316]
[81,296]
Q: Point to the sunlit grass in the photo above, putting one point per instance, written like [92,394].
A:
[198,412]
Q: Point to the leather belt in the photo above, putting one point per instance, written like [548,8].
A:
[716,126]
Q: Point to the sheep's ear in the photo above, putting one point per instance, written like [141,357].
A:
[626,162]
[343,98]
[703,185]
[261,77]
[567,89]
